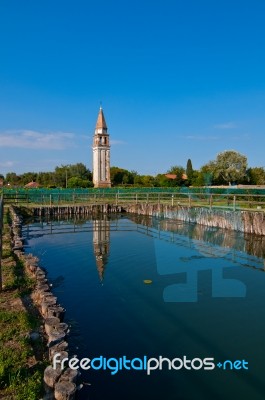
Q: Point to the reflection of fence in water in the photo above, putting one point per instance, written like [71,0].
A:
[187,261]
[58,227]
[213,242]
[190,240]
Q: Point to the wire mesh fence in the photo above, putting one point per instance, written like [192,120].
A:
[204,197]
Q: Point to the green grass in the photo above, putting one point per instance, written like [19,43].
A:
[29,385]
[20,373]
[17,379]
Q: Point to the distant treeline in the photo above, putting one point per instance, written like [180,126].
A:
[230,167]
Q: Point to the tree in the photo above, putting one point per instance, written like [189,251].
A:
[63,173]
[46,179]
[176,169]
[120,176]
[76,182]
[12,178]
[189,169]
[61,176]
[200,179]
[179,171]
[162,181]
[28,177]
[230,166]
[205,176]
[148,180]
[256,176]
[79,170]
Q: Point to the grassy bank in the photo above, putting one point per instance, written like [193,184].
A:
[21,347]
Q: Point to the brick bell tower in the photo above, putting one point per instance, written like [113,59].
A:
[101,153]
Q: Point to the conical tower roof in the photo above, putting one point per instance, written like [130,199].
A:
[101,123]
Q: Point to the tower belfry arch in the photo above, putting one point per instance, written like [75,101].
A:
[101,153]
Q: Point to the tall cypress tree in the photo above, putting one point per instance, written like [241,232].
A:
[189,169]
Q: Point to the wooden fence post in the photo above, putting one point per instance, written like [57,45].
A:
[211,201]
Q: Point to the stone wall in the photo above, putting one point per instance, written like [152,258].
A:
[91,209]
[241,221]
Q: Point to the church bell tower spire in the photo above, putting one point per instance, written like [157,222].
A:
[101,153]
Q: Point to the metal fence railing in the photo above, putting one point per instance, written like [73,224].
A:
[113,190]
[226,199]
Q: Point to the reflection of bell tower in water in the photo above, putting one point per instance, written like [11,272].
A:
[101,243]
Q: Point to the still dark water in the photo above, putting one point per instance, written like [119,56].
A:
[206,299]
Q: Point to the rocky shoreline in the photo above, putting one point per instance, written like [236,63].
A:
[58,384]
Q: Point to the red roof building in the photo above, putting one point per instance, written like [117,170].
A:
[32,185]
[174,176]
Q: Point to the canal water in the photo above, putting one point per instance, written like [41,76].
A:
[145,288]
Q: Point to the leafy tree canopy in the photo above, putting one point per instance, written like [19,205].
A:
[120,176]
[176,169]
[229,167]
[256,176]
[76,182]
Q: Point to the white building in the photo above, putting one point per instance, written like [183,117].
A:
[101,153]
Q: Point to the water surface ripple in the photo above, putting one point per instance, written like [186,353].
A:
[203,298]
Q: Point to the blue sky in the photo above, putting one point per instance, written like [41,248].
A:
[177,80]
